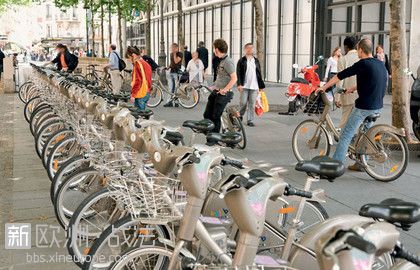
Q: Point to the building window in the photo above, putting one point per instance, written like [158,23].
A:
[48,31]
[74,13]
[48,11]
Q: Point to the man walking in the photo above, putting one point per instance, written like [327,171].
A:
[346,101]
[187,56]
[249,82]
[203,54]
[371,77]
[174,67]
[226,79]
[113,68]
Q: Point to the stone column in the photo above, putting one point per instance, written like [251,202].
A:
[7,81]
[414,61]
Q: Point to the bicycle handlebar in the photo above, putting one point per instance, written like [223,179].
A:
[360,243]
[402,253]
[234,163]
[290,191]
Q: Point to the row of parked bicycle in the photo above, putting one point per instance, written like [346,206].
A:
[133,195]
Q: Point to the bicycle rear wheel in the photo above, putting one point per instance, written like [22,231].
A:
[155,97]
[310,140]
[391,158]
[239,127]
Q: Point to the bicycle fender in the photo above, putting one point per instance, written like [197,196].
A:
[364,146]
[168,243]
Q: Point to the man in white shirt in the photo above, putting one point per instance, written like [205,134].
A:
[114,70]
[249,82]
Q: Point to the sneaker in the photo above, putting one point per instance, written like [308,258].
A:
[250,124]
[169,104]
[356,167]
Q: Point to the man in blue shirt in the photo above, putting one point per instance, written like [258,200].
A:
[114,70]
[371,84]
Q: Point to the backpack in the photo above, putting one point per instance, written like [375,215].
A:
[121,63]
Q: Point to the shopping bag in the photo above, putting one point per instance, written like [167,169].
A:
[258,106]
[264,101]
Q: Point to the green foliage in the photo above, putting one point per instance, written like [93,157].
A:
[4,4]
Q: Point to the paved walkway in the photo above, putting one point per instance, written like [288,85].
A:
[24,185]
[24,194]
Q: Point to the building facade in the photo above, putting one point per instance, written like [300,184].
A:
[295,31]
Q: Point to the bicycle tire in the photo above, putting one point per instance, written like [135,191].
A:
[36,114]
[109,232]
[23,89]
[241,129]
[51,159]
[63,212]
[416,130]
[195,102]
[159,94]
[75,222]
[296,151]
[49,144]
[43,135]
[163,252]
[68,168]
[30,106]
[404,147]
[45,122]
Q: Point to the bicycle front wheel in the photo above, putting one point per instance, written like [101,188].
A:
[155,97]
[239,127]
[391,157]
[310,140]
[152,257]
[189,97]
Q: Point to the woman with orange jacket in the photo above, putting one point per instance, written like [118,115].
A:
[141,81]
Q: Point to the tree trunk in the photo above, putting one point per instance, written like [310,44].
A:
[102,31]
[109,23]
[259,30]
[149,8]
[92,22]
[181,38]
[120,37]
[400,94]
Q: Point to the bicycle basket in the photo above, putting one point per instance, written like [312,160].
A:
[315,105]
[153,200]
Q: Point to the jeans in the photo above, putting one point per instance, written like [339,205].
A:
[356,118]
[216,104]
[172,78]
[248,99]
[142,102]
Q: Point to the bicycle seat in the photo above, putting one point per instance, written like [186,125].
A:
[322,166]
[174,137]
[231,139]
[394,211]
[146,114]
[202,126]
[372,117]
[299,80]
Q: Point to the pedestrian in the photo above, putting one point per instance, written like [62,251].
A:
[203,54]
[380,54]
[215,64]
[174,69]
[148,59]
[371,77]
[195,69]
[65,60]
[346,101]
[187,56]
[113,68]
[141,81]
[226,79]
[89,53]
[332,62]
[2,56]
[249,82]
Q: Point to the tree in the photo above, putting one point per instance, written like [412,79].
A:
[4,4]
[102,31]
[149,6]
[400,95]
[259,29]
[181,37]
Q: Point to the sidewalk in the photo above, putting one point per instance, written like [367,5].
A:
[24,194]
